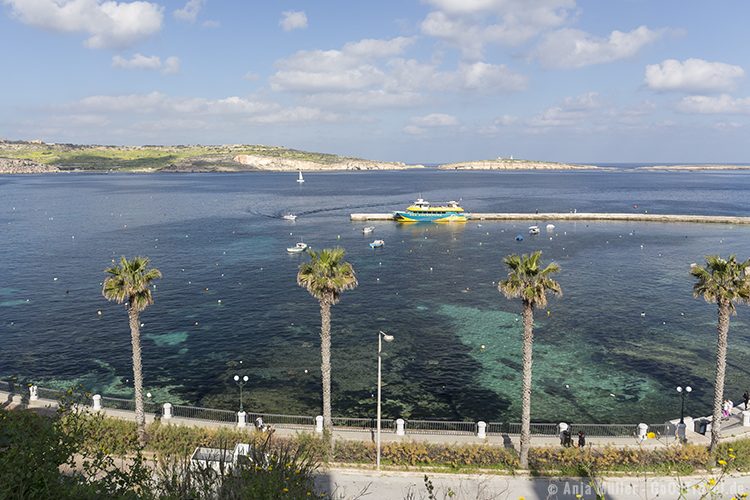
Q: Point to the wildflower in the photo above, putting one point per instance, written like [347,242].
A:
[285,490]
[578,495]
[651,435]
[722,462]
[521,498]
[712,482]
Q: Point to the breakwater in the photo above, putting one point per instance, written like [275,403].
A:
[573,216]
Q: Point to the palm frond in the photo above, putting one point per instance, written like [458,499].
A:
[726,281]
[326,275]
[129,282]
[527,281]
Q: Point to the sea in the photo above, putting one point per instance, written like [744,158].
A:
[612,349]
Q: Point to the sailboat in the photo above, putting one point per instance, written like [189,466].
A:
[300,179]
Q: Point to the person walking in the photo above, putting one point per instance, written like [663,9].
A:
[746,398]
[581,439]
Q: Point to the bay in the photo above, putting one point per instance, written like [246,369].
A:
[626,332]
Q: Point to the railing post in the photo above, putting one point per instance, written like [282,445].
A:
[400,427]
[167,411]
[746,418]
[642,431]
[319,424]
[241,419]
[481,429]
[97,401]
[33,393]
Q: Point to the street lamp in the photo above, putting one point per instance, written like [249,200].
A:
[388,338]
[683,394]
[241,383]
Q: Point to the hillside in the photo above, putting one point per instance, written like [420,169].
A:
[224,158]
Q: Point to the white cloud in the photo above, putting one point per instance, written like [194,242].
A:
[351,68]
[171,65]
[234,108]
[251,77]
[138,61]
[370,73]
[435,120]
[189,13]
[693,75]
[572,112]
[722,104]
[210,24]
[488,77]
[414,130]
[571,48]
[471,24]
[108,24]
[293,20]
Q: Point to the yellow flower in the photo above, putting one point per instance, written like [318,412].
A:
[521,498]
[711,482]
[722,462]
[651,435]
[578,495]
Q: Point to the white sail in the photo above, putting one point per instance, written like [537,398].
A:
[300,179]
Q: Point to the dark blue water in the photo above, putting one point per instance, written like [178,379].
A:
[228,302]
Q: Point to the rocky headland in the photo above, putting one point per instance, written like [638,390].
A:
[694,168]
[292,164]
[510,164]
[21,166]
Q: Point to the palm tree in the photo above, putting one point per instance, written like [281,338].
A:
[527,280]
[129,283]
[726,282]
[325,276]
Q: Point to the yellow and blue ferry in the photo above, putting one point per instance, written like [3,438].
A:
[422,211]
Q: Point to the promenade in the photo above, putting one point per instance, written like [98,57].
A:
[732,429]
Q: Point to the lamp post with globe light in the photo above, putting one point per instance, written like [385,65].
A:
[241,381]
[683,394]
[388,338]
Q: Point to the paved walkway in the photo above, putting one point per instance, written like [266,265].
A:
[349,484]
[731,430]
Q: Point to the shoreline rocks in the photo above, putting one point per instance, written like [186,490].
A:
[508,164]
[21,166]
[292,165]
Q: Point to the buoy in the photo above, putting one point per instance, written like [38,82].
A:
[219,301]
[481,346]
[99,312]
[643,315]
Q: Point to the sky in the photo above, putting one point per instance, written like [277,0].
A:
[418,81]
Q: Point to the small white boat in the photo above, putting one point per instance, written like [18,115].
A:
[550,227]
[377,244]
[298,248]
[300,179]
[533,229]
[291,217]
[368,229]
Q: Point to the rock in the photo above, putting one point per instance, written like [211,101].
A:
[19,166]
[290,164]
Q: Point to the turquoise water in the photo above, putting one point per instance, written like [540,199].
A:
[612,349]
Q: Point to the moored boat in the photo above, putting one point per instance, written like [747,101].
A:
[368,229]
[298,248]
[422,211]
[533,229]
[290,217]
[377,244]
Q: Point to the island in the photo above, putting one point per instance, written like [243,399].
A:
[516,164]
[695,168]
[21,157]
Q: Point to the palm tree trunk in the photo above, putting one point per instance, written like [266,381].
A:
[325,361]
[135,338]
[722,330]
[528,343]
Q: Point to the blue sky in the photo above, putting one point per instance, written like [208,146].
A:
[413,81]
